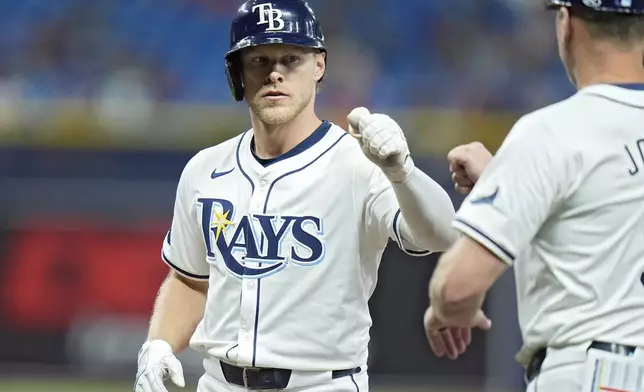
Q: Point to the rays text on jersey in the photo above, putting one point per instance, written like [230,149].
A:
[259,245]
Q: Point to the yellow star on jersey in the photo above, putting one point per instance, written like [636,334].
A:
[222,222]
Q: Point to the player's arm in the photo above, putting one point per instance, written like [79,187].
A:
[417,213]
[181,299]
[426,213]
[530,175]
[401,199]
[178,309]
[182,296]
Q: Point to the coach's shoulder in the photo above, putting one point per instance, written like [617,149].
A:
[549,117]
[539,123]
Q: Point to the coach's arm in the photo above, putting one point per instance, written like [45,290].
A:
[460,281]
[465,272]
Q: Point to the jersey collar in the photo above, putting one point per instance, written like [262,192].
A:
[631,86]
[304,145]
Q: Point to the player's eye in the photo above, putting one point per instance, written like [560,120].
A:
[292,59]
[258,60]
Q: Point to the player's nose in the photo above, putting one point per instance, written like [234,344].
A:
[274,77]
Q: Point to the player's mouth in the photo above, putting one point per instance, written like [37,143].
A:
[274,95]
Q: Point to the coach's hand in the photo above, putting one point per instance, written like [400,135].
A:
[451,340]
[466,163]
[383,142]
[156,364]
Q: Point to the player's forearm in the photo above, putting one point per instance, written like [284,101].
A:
[178,309]
[427,212]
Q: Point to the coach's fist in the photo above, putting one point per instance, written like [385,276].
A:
[383,142]
[466,163]
[451,340]
[156,364]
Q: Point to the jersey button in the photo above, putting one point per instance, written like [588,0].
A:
[263,182]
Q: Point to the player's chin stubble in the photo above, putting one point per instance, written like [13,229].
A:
[276,113]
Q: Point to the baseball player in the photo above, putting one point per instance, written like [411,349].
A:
[563,202]
[277,234]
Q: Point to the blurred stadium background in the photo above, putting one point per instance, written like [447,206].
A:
[101,104]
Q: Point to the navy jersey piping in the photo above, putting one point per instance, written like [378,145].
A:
[400,239]
[252,185]
[479,232]
[631,86]
[182,271]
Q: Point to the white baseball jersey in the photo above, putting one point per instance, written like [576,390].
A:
[563,201]
[290,248]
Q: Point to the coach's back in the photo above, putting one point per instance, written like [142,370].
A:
[581,277]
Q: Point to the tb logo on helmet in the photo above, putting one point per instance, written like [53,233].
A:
[593,3]
[269,15]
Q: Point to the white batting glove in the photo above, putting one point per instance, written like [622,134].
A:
[156,364]
[383,142]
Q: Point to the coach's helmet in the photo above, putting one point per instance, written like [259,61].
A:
[263,22]
[622,6]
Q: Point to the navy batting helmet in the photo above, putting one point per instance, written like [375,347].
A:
[262,22]
[622,6]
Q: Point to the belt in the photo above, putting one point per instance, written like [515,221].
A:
[534,366]
[268,378]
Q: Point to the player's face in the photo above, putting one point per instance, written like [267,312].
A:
[564,40]
[280,81]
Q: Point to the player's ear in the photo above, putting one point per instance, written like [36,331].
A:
[564,25]
[320,66]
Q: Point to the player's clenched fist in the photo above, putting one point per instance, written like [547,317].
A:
[466,163]
[156,364]
[383,142]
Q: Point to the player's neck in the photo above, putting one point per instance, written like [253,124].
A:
[616,67]
[274,140]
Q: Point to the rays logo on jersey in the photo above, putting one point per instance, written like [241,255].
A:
[260,245]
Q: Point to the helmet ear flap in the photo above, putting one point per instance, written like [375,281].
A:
[234,77]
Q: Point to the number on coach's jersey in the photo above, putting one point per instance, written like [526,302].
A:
[260,244]
[636,155]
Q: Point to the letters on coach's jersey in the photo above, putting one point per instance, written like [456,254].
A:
[260,244]
[637,158]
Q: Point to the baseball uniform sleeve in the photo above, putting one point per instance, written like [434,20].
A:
[383,216]
[183,247]
[531,174]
